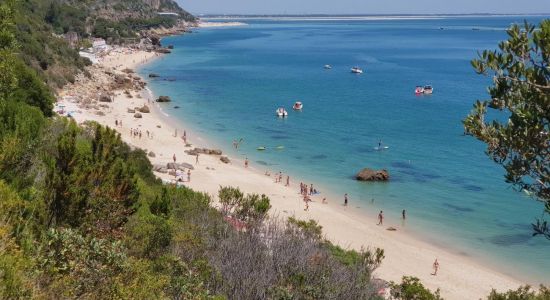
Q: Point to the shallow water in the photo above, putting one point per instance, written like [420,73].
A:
[228,83]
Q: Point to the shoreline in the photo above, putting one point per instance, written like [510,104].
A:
[459,278]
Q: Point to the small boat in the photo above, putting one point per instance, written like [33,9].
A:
[419,90]
[328,67]
[298,105]
[428,90]
[281,112]
[261,148]
[356,70]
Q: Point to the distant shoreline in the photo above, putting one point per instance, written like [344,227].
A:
[366,17]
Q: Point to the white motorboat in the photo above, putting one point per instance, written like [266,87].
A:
[419,90]
[356,70]
[328,67]
[281,112]
[298,105]
[428,90]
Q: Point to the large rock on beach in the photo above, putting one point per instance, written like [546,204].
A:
[138,115]
[206,151]
[225,159]
[183,166]
[372,175]
[145,109]
[164,99]
[105,98]
[131,111]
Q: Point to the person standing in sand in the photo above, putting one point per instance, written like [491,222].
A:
[346,199]
[380,218]
[287,180]
[197,159]
[189,175]
[174,157]
[246,162]
[436,267]
[403,213]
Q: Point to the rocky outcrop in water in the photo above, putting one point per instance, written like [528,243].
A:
[164,99]
[372,175]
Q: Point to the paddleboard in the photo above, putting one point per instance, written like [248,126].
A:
[381,148]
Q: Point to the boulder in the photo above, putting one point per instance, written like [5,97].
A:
[204,151]
[372,175]
[164,99]
[183,166]
[170,46]
[121,79]
[128,71]
[138,115]
[144,109]
[151,154]
[131,110]
[154,75]
[105,98]
[160,168]
[172,165]
[225,159]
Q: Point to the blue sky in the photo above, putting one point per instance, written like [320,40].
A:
[364,6]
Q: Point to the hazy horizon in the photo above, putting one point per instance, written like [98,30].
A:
[355,7]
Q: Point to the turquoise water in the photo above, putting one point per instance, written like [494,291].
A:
[228,83]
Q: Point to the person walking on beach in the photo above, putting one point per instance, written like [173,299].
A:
[197,159]
[287,180]
[116,123]
[174,157]
[311,189]
[346,199]
[189,175]
[246,162]
[176,133]
[380,218]
[403,214]
[436,267]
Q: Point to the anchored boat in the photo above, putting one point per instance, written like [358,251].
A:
[356,70]
[281,112]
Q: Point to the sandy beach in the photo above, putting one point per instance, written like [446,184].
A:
[458,278]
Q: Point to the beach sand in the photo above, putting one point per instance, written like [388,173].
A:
[459,277]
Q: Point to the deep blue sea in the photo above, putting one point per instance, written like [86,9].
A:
[229,81]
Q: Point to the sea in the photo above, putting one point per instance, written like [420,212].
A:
[229,81]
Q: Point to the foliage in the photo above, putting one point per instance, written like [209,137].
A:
[411,288]
[522,293]
[8,44]
[251,208]
[519,138]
